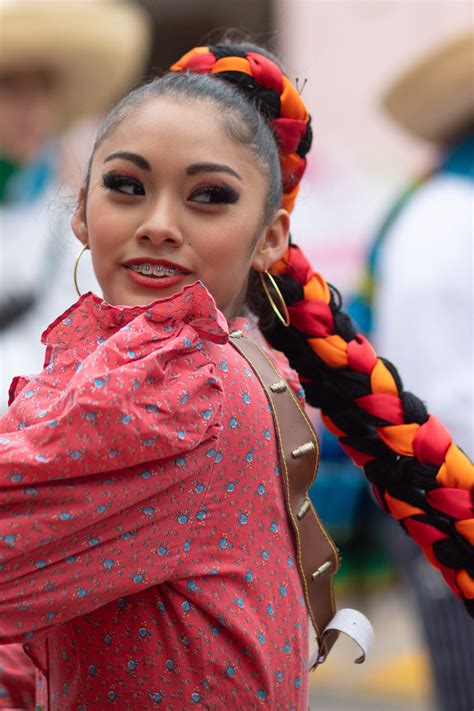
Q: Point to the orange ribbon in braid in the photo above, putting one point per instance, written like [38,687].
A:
[291,126]
[449,497]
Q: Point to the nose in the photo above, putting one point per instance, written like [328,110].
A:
[160,224]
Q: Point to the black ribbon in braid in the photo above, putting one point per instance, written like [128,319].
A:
[267,101]
[306,141]
[227,50]
[403,477]
[401,474]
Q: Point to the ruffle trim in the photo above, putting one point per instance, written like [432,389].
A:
[92,317]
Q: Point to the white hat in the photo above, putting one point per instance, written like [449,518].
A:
[434,99]
[96,48]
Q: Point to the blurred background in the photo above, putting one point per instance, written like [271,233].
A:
[343,56]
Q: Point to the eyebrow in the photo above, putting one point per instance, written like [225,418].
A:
[141,162]
[135,158]
[211,168]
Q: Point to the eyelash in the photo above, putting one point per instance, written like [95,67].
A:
[113,181]
[216,194]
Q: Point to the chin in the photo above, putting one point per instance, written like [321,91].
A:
[142,297]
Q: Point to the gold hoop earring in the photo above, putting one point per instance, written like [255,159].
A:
[285,319]
[76,264]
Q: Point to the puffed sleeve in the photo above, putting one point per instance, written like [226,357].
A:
[95,498]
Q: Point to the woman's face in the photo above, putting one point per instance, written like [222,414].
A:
[173,200]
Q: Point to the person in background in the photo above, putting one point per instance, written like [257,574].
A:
[417,302]
[58,61]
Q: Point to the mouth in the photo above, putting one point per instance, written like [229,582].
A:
[151,272]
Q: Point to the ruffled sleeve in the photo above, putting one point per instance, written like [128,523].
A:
[94,494]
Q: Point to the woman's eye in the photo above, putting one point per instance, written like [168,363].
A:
[123,184]
[214,195]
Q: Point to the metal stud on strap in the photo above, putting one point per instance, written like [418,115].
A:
[278,387]
[236,334]
[322,569]
[303,509]
[302,451]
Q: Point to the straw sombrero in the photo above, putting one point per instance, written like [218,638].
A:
[96,48]
[434,99]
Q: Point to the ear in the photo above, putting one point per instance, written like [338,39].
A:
[273,243]
[78,220]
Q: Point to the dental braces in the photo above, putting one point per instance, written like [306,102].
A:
[157,270]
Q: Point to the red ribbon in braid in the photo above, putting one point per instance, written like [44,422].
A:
[430,443]
[290,128]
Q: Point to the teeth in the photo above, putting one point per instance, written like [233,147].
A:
[156,270]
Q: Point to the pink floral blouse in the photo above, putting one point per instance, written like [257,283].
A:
[146,559]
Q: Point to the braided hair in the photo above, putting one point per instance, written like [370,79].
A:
[417,473]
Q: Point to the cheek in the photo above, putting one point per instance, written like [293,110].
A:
[232,240]
[226,256]
[105,227]
[226,262]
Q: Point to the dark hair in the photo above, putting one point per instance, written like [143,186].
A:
[244,124]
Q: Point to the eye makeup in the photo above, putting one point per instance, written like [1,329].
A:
[214,195]
[124,184]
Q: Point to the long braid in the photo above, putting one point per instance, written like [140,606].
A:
[418,474]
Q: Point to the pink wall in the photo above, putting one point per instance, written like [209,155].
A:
[348,51]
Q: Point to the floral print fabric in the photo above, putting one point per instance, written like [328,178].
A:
[146,556]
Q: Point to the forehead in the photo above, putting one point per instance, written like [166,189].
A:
[177,131]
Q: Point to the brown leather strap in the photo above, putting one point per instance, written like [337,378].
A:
[316,553]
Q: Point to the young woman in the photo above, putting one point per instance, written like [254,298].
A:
[148,557]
